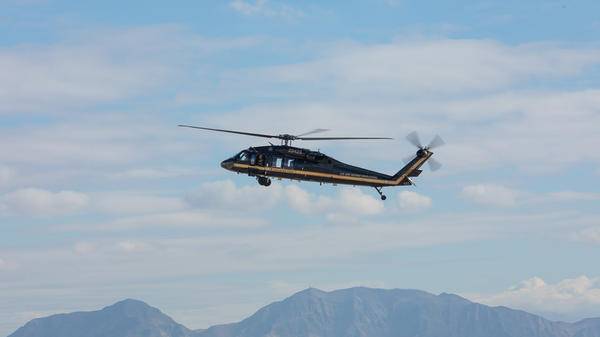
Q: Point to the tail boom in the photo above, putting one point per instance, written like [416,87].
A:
[412,169]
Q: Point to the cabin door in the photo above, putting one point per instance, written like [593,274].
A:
[260,160]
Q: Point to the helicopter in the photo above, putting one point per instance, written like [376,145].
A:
[285,161]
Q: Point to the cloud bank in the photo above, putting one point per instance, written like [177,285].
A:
[567,299]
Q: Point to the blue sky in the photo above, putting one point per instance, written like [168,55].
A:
[102,197]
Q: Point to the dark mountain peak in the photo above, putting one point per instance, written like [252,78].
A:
[360,291]
[453,297]
[309,292]
[130,302]
[131,307]
[357,291]
[127,318]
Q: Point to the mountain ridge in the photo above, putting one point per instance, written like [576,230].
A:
[126,318]
[352,312]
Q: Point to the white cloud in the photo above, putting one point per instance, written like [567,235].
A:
[132,246]
[413,201]
[67,75]
[490,194]
[226,195]
[265,8]
[563,196]
[111,248]
[190,219]
[39,202]
[349,203]
[106,248]
[422,67]
[302,201]
[98,66]
[94,67]
[248,8]
[84,248]
[6,175]
[186,218]
[60,155]
[7,264]
[570,298]
[229,251]
[153,173]
[355,201]
[502,196]
[589,235]
[135,203]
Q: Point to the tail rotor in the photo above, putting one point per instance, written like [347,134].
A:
[436,142]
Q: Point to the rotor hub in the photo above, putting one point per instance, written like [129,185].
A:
[286,139]
[422,152]
[286,136]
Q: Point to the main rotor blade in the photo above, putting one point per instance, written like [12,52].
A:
[282,136]
[311,132]
[434,165]
[231,131]
[436,142]
[340,138]
[414,139]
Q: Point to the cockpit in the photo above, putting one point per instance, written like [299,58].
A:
[254,158]
[246,157]
[243,156]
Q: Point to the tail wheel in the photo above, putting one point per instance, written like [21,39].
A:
[378,189]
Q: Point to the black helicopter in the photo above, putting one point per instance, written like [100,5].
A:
[288,162]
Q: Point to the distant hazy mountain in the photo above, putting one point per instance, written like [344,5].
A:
[128,318]
[400,313]
[355,312]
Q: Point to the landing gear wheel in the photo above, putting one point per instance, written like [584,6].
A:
[378,189]
[264,181]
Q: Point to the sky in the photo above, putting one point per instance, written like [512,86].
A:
[103,197]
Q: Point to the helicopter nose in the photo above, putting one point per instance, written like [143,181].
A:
[227,164]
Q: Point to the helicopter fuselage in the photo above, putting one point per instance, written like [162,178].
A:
[288,162]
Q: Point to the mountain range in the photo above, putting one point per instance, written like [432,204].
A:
[354,312]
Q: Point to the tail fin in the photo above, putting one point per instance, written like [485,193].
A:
[412,169]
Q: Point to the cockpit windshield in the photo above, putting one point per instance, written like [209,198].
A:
[242,156]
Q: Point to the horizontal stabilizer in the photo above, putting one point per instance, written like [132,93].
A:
[415,173]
